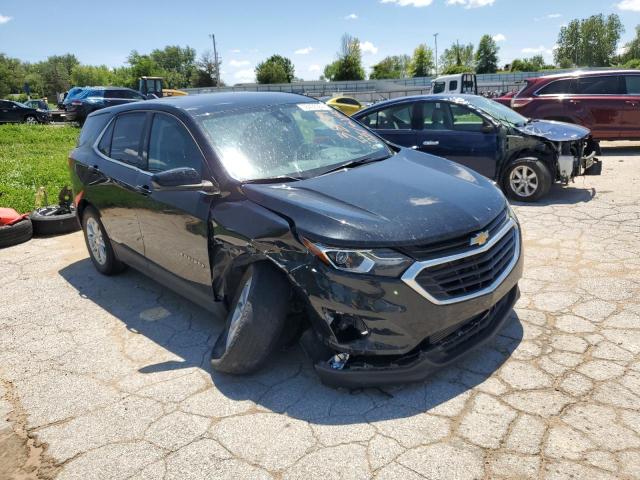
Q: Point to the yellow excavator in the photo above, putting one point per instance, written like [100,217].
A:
[153,86]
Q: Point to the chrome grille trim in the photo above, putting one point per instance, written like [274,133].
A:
[409,277]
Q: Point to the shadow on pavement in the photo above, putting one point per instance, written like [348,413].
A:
[288,383]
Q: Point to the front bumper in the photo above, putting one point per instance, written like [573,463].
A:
[419,364]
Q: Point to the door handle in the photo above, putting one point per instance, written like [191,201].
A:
[429,143]
[142,189]
[575,102]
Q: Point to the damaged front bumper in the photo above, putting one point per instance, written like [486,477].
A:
[577,158]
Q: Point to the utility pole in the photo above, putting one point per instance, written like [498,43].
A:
[215,57]
[435,36]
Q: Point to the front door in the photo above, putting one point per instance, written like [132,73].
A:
[455,132]
[174,223]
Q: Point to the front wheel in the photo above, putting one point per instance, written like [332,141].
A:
[526,180]
[254,323]
[30,120]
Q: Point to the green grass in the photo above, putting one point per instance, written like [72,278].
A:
[32,157]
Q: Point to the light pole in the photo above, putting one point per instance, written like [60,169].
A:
[435,36]
[215,59]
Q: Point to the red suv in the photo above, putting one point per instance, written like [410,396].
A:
[605,101]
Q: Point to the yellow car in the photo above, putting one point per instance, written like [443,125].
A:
[346,105]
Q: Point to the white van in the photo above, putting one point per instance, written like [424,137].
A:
[459,83]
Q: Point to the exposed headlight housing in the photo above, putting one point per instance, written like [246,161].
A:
[381,261]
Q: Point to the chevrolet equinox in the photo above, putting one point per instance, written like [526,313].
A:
[386,263]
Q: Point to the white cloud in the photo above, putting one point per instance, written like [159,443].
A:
[351,16]
[471,3]
[412,3]
[499,37]
[4,19]
[554,15]
[239,63]
[632,5]
[314,68]
[303,51]
[537,50]
[244,76]
[235,50]
[368,47]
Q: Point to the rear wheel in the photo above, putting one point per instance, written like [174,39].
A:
[527,180]
[30,120]
[99,244]
[254,323]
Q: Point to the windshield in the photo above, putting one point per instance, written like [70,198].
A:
[498,111]
[296,140]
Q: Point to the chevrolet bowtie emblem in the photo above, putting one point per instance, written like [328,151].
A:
[479,239]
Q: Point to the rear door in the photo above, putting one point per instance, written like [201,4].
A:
[630,127]
[396,123]
[455,132]
[6,111]
[599,101]
[174,223]
[118,164]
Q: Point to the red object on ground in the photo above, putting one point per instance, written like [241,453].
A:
[8,216]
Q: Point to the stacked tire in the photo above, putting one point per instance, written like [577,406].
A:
[17,233]
[54,221]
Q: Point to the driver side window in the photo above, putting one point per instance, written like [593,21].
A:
[171,146]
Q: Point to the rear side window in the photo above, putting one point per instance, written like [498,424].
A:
[608,85]
[438,87]
[397,117]
[632,84]
[126,139]
[434,116]
[92,128]
[171,146]
[453,86]
[559,87]
[370,120]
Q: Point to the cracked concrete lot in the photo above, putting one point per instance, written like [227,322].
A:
[105,378]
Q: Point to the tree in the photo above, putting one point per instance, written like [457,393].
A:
[632,48]
[207,70]
[330,71]
[348,66]
[532,64]
[396,66]
[422,61]
[487,55]
[589,42]
[55,72]
[457,59]
[275,69]
[82,75]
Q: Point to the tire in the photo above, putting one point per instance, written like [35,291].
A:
[535,187]
[98,244]
[17,233]
[46,221]
[31,120]
[254,323]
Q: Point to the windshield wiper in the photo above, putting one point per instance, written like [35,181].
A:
[278,179]
[356,163]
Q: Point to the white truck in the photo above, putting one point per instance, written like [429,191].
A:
[459,83]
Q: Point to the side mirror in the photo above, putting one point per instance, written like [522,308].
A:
[488,128]
[182,179]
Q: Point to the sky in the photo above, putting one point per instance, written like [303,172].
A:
[308,32]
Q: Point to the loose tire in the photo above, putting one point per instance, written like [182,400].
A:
[30,120]
[98,243]
[526,180]
[254,323]
[19,232]
[47,221]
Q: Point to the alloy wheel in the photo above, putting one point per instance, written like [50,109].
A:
[524,181]
[96,241]
[238,310]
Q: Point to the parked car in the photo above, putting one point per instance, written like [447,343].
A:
[392,262]
[605,101]
[15,112]
[70,94]
[523,156]
[95,98]
[37,104]
[346,105]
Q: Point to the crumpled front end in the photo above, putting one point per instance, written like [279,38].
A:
[577,157]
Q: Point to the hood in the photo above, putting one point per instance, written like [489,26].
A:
[410,198]
[555,131]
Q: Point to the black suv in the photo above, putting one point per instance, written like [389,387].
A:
[90,99]
[387,262]
[15,112]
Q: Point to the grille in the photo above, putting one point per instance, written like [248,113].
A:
[454,245]
[470,274]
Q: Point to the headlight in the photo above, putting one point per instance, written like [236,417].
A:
[383,261]
[512,214]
